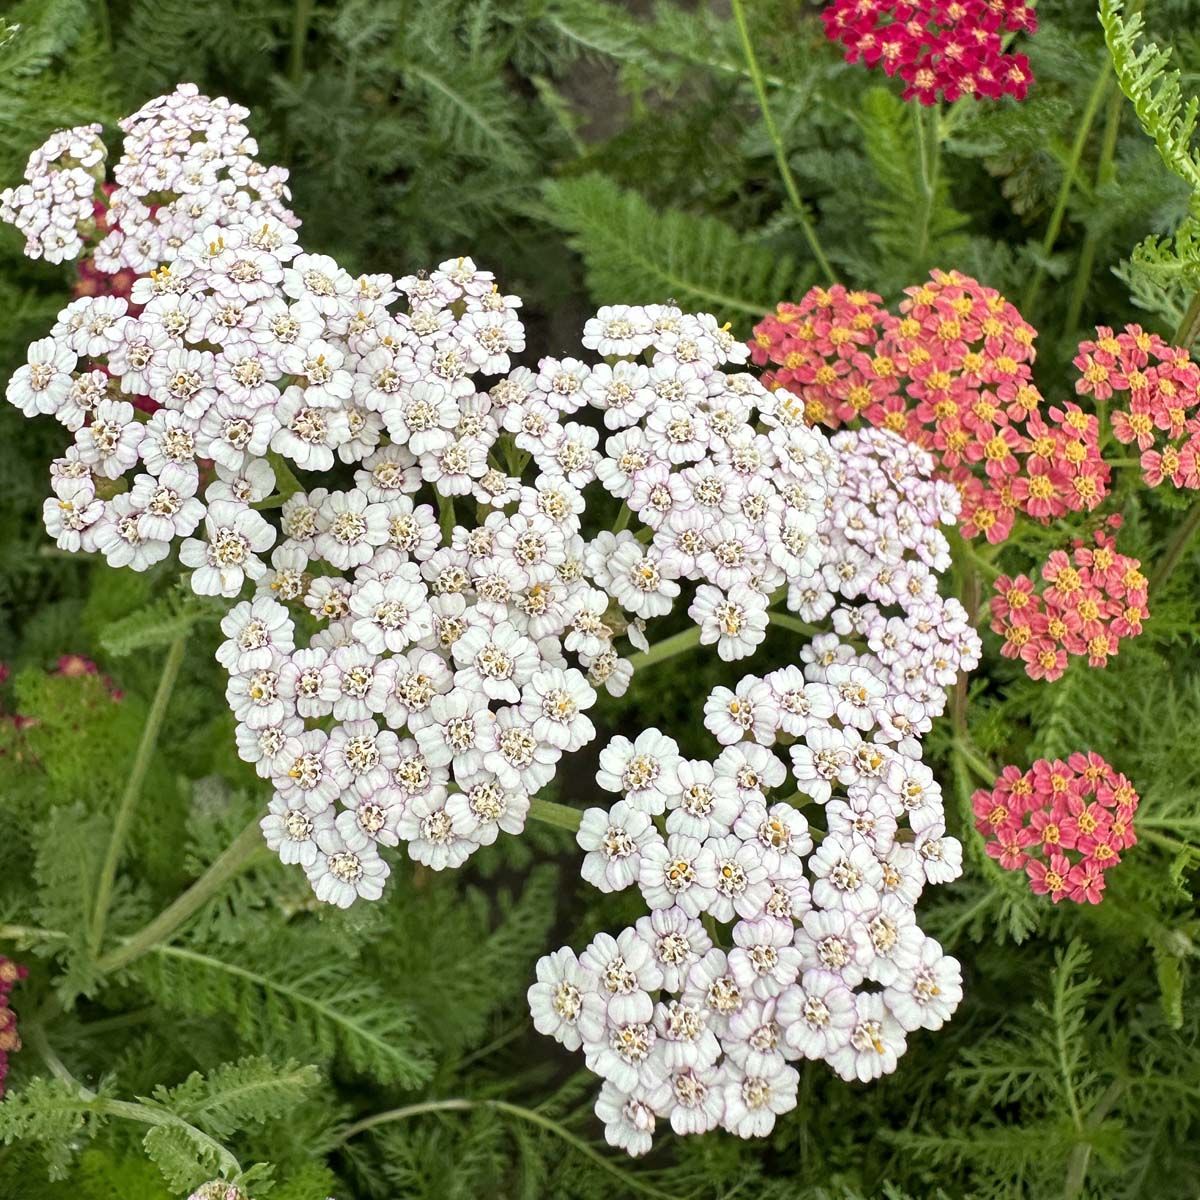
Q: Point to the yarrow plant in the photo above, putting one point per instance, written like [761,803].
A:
[437,622]
[11,974]
[1063,823]
[952,373]
[400,676]
[823,958]
[942,49]
[1089,601]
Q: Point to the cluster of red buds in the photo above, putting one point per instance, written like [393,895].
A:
[10,1040]
[1159,387]
[68,666]
[953,373]
[1063,823]
[940,48]
[1090,600]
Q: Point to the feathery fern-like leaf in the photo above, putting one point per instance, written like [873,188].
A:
[633,254]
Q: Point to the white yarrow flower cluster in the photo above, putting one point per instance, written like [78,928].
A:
[402,673]
[55,204]
[823,956]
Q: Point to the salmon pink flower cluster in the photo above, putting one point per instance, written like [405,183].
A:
[1089,601]
[942,49]
[11,974]
[1063,823]
[953,373]
[1157,388]
[825,959]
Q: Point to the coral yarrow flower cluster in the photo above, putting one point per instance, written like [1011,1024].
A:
[11,974]
[1063,823]
[942,49]
[1088,602]
[825,959]
[952,372]
[1154,390]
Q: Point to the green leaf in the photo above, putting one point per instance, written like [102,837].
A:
[252,1090]
[634,254]
[285,989]
[160,622]
[1152,87]
[52,1115]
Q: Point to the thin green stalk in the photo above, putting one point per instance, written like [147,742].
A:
[929,150]
[1077,1164]
[1167,843]
[1103,82]
[678,643]
[1104,173]
[787,621]
[965,550]
[133,789]
[1185,335]
[986,772]
[234,859]
[558,815]
[30,934]
[785,170]
[104,22]
[446,517]
[512,1110]
[300,19]
[1175,548]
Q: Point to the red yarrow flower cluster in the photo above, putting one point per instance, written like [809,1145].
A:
[1089,601]
[940,48]
[953,373]
[1063,823]
[1159,388]
[10,1039]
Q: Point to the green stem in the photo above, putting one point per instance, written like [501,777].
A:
[986,772]
[133,789]
[1104,174]
[679,643]
[1185,335]
[30,934]
[558,815]
[1103,83]
[512,1110]
[300,19]
[969,552]
[785,170]
[787,621]
[104,22]
[446,516]
[929,149]
[234,859]
[1167,843]
[1175,548]
[1081,1154]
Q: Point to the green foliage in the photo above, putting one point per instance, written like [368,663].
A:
[1153,88]
[294,993]
[633,254]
